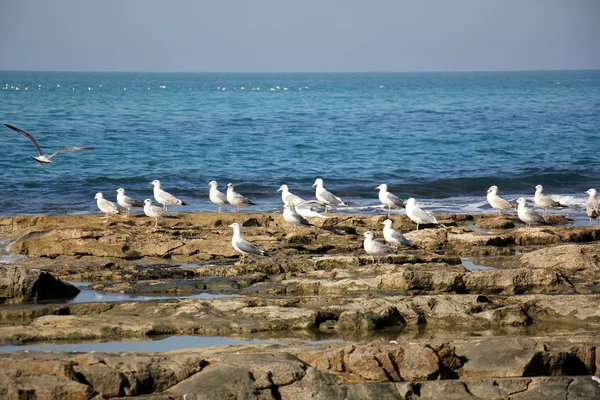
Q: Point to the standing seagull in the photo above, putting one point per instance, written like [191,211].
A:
[394,237]
[243,246]
[528,215]
[127,202]
[592,207]
[325,196]
[235,199]
[375,248]
[543,201]
[216,196]
[155,212]
[107,207]
[288,197]
[292,217]
[43,158]
[497,202]
[418,215]
[165,198]
[388,199]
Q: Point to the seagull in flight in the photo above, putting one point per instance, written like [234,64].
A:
[43,158]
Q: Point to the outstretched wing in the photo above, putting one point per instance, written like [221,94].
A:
[28,136]
[70,148]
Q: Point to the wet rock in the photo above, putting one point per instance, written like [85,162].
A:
[19,284]
[570,259]
[495,223]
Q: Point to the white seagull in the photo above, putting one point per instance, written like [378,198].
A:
[288,197]
[375,248]
[107,207]
[307,208]
[496,201]
[388,199]
[236,199]
[418,215]
[43,158]
[165,198]
[325,196]
[155,212]
[395,237]
[127,202]
[592,206]
[543,201]
[528,215]
[243,246]
[292,217]
[216,196]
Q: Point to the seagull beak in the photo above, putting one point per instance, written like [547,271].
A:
[279,190]
[405,202]
[314,184]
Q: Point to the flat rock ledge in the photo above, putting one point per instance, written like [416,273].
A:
[485,368]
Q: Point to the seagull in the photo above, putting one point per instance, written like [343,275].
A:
[292,217]
[375,248]
[543,201]
[306,208]
[528,215]
[165,198]
[326,197]
[497,202]
[43,158]
[286,196]
[107,207]
[388,199]
[243,246]
[418,215]
[395,237]
[235,199]
[216,196]
[127,202]
[592,207]
[155,212]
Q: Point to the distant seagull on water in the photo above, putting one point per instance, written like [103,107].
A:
[43,158]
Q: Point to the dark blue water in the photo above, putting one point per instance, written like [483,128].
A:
[441,137]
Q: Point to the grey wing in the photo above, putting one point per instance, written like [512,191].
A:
[300,218]
[502,203]
[133,202]
[382,248]
[28,136]
[424,215]
[222,196]
[535,215]
[331,198]
[249,248]
[71,148]
[401,239]
[238,198]
[394,199]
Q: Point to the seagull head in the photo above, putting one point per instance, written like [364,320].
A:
[155,183]
[230,186]
[235,225]
[493,189]
[383,187]
[539,188]
[120,191]
[212,183]
[148,202]
[98,196]
[283,188]
[590,192]
[369,235]
[410,202]
[318,183]
[387,223]
[521,201]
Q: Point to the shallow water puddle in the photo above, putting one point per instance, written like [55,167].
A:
[468,264]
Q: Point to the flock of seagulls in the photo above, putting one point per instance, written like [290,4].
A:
[299,212]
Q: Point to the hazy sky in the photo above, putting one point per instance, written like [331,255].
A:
[298,36]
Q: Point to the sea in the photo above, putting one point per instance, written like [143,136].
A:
[443,138]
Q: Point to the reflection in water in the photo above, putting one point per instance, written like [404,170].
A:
[468,264]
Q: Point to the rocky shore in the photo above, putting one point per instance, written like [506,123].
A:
[523,322]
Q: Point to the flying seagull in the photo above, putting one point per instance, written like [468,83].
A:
[43,158]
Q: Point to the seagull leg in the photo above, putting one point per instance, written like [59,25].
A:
[389,211]
[219,209]
[417,226]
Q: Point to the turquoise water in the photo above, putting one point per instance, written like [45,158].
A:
[441,137]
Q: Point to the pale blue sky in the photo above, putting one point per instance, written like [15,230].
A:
[298,36]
